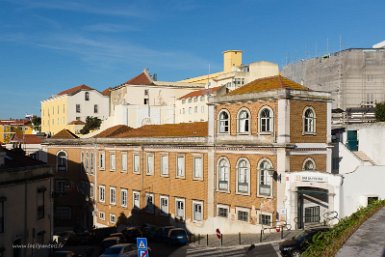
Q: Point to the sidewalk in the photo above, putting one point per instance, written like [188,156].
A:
[368,240]
[243,239]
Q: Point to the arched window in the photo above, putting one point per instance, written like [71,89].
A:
[266,120]
[308,164]
[223,175]
[265,179]
[309,120]
[243,176]
[223,122]
[62,162]
[243,122]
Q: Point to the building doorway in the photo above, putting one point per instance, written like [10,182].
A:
[312,204]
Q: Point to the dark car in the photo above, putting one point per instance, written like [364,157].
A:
[132,233]
[121,250]
[120,235]
[161,235]
[178,236]
[108,242]
[298,244]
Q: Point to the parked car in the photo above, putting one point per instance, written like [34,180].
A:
[108,242]
[131,233]
[178,236]
[120,235]
[161,235]
[297,245]
[121,250]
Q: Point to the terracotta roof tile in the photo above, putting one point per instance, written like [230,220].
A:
[77,122]
[196,129]
[16,122]
[142,79]
[106,91]
[114,131]
[74,90]
[28,139]
[267,84]
[201,92]
[65,134]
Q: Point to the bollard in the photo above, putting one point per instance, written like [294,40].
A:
[239,238]
[281,232]
[199,239]
[221,239]
[207,239]
[260,238]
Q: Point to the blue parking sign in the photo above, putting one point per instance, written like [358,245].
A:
[141,244]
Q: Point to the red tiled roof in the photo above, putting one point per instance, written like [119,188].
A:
[28,139]
[267,84]
[77,122]
[15,122]
[142,79]
[65,134]
[114,131]
[74,90]
[196,129]
[201,92]
[106,91]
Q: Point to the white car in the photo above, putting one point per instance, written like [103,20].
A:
[121,250]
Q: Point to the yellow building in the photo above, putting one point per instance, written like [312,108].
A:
[8,128]
[75,104]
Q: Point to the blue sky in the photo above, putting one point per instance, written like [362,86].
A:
[49,46]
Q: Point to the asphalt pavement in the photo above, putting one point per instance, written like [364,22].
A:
[368,240]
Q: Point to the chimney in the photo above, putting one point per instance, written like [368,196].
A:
[231,58]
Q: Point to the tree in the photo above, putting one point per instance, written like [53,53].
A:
[91,123]
[36,123]
[380,112]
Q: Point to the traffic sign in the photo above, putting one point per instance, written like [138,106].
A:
[218,232]
[141,244]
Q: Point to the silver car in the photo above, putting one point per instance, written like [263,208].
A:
[121,250]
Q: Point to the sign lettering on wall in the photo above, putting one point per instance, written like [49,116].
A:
[317,179]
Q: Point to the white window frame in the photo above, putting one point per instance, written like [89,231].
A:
[219,173]
[112,218]
[136,163]
[198,174]
[245,176]
[62,162]
[102,215]
[309,123]
[164,166]
[264,178]
[124,161]
[92,193]
[194,204]
[180,170]
[305,163]
[223,123]
[164,211]
[150,159]
[135,202]
[112,161]
[266,121]
[113,195]
[226,207]
[241,128]
[102,160]
[183,201]
[102,193]
[124,197]
[241,209]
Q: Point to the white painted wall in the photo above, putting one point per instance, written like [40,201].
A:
[371,141]
[348,160]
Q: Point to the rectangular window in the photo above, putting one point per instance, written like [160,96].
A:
[87,96]
[78,108]
[145,101]
[180,168]
[102,215]
[112,218]
[102,194]
[92,163]
[136,199]
[91,193]
[179,207]
[198,167]
[242,214]
[136,163]
[61,186]
[150,203]
[123,197]
[164,205]
[265,219]
[164,165]
[312,214]
[40,202]
[96,108]
[2,219]
[223,211]
[197,211]
[112,161]
[150,164]
[124,161]
[102,160]
[112,195]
